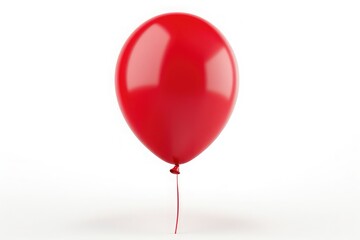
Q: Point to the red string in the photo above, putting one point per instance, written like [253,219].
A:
[175,170]
[177,207]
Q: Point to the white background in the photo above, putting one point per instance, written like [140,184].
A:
[285,167]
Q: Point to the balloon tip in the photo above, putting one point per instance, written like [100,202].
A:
[175,169]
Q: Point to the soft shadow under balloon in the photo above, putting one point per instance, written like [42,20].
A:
[217,223]
[156,222]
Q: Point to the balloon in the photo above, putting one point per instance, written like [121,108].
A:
[176,84]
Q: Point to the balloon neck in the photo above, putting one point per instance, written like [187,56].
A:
[175,169]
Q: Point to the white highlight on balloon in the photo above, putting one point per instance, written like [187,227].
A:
[218,72]
[153,42]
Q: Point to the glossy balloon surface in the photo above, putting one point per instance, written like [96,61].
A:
[176,83]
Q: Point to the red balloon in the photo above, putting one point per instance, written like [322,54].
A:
[176,83]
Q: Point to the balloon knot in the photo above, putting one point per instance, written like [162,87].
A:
[175,169]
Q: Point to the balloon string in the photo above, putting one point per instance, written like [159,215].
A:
[175,170]
[177,207]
